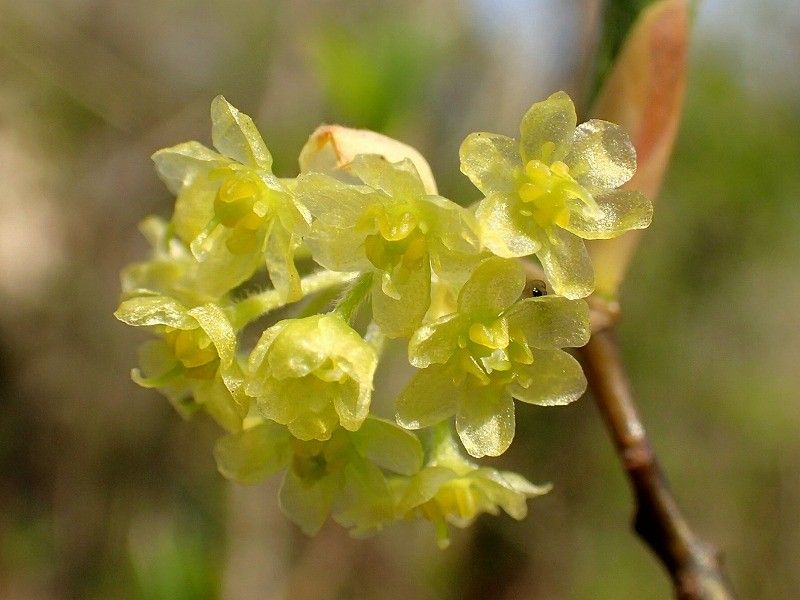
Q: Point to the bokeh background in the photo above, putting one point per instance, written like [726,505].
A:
[106,493]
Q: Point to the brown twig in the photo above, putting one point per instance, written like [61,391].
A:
[693,564]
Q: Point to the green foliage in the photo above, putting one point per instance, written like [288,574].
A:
[448,278]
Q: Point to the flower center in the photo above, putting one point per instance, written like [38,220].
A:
[195,351]
[545,191]
[398,241]
[242,204]
[488,352]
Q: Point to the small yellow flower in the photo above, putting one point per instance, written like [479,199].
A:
[554,188]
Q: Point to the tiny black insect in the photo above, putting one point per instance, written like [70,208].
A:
[537,288]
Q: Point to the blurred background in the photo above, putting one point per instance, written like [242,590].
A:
[106,493]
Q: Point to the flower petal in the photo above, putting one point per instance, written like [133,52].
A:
[253,454]
[364,503]
[502,230]
[550,321]
[566,264]
[214,322]
[337,249]
[147,311]
[619,211]
[280,263]
[490,161]
[388,446]
[602,157]
[424,486]
[335,203]
[554,379]
[305,406]
[494,286]
[307,504]
[429,398]
[435,342]
[178,166]
[236,136]
[485,422]
[400,317]
[218,402]
[547,129]
[397,179]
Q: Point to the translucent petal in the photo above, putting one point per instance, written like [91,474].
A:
[236,136]
[518,483]
[218,402]
[494,286]
[180,165]
[335,203]
[214,322]
[222,271]
[280,263]
[566,264]
[490,161]
[500,493]
[450,225]
[194,209]
[400,317]
[424,486]
[550,321]
[156,358]
[305,406]
[547,129]
[364,502]
[619,211]
[337,249]
[503,230]
[147,311]
[351,353]
[435,342]
[255,363]
[602,157]
[485,421]
[351,402]
[554,379]
[399,180]
[253,454]
[307,504]
[388,446]
[429,398]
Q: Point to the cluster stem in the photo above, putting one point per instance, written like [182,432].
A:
[693,564]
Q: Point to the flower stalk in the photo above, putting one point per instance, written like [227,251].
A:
[692,563]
